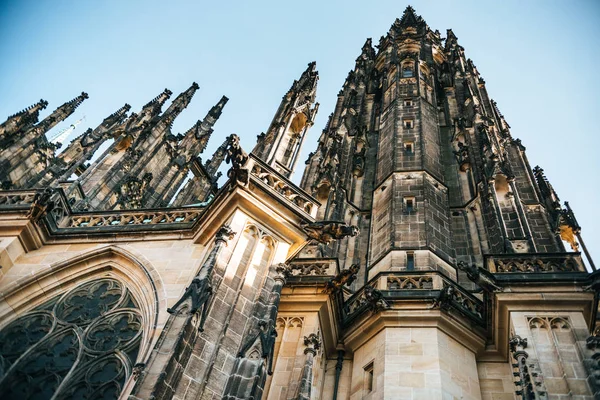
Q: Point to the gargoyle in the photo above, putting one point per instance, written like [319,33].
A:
[41,205]
[200,291]
[345,277]
[444,299]
[375,299]
[327,231]
[238,159]
[479,276]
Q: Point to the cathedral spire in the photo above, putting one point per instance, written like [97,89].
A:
[216,160]
[179,104]
[23,119]
[196,138]
[117,117]
[153,107]
[368,52]
[282,143]
[61,113]
[408,20]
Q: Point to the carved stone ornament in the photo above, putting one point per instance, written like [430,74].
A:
[481,277]
[345,277]
[238,159]
[59,349]
[327,231]
[41,205]
[375,299]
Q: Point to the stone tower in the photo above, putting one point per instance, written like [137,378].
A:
[421,257]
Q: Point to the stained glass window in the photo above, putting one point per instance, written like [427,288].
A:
[81,345]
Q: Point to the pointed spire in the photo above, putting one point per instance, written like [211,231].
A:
[368,52]
[451,39]
[109,122]
[117,117]
[216,160]
[179,104]
[160,99]
[61,113]
[154,106]
[307,83]
[23,119]
[196,138]
[408,19]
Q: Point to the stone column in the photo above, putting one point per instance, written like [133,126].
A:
[312,343]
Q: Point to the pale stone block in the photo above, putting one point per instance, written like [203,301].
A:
[424,335]
[491,385]
[412,379]
[425,363]
[412,349]
[497,369]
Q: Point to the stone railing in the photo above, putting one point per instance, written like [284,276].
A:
[405,285]
[282,186]
[313,267]
[535,263]
[128,218]
[16,199]
[403,282]
[62,218]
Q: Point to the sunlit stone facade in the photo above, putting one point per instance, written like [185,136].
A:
[421,257]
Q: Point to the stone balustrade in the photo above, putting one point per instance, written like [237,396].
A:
[416,285]
[277,183]
[16,199]
[535,263]
[313,267]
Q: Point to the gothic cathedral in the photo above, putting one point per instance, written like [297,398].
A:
[421,257]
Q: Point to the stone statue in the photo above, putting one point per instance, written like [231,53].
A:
[238,159]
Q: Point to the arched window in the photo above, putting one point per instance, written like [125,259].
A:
[81,345]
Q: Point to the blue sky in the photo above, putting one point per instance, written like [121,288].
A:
[537,58]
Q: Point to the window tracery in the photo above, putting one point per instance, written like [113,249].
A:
[81,345]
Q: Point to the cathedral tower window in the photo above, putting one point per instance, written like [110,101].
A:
[409,204]
[80,345]
[408,123]
[369,378]
[408,103]
[407,69]
[410,261]
[409,147]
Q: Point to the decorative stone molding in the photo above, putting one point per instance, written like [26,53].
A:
[527,379]
[312,268]
[128,218]
[535,263]
[408,282]
[283,187]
